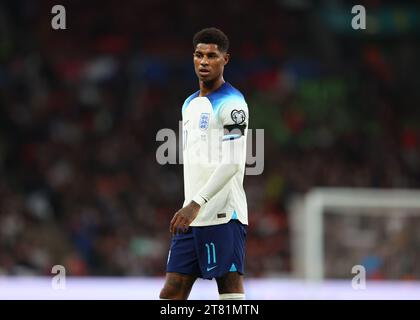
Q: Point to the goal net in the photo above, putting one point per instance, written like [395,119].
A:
[335,229]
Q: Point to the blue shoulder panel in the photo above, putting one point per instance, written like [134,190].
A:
[226,93]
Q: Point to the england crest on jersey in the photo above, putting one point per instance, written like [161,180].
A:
[204,121]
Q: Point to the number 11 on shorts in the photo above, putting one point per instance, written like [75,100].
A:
[208,252]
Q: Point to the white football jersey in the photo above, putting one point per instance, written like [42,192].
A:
[204,120]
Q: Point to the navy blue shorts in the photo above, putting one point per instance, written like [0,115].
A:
[210,251]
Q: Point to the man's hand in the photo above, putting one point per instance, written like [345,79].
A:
[183,218]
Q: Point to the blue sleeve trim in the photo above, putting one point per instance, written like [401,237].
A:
[229,137]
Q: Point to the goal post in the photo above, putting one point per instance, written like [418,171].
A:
[308,214]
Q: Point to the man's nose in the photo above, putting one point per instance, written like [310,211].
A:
[204,61]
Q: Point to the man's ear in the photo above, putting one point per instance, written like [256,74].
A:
[227,58]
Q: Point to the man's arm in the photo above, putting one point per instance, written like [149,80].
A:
[233,148]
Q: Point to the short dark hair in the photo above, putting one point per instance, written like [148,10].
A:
[212,35]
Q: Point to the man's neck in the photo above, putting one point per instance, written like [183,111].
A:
[208,87]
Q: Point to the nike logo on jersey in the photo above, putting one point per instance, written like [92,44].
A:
[211,268]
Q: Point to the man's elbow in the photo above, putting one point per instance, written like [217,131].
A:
[233,168]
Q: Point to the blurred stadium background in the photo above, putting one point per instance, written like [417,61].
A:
[79,113]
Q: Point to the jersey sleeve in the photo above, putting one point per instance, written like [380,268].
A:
[234,118]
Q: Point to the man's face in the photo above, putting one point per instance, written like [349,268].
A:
[209,62]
